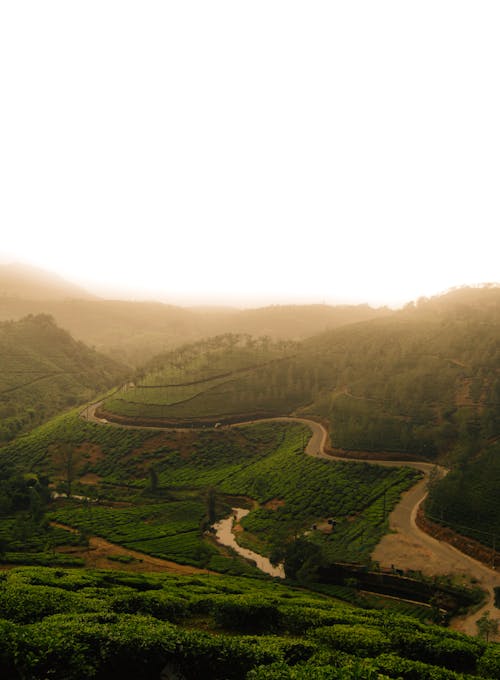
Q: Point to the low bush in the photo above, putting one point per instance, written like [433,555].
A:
[158,604]
[26,604]
[8,648]
[96,646]
[408,669]
[298,619]
[246,614]
[489,664]
[358,640]
[352,670]
[457,653]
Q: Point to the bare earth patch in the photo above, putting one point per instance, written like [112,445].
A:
[408,554]
[91,452]
[90,478]
[175,440]
[97,555]
[274,504]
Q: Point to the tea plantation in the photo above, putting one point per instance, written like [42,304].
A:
[91,624]
[152,488]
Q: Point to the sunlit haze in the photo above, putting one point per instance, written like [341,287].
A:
[252,153]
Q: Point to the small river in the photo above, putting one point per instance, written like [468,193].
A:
[225,536]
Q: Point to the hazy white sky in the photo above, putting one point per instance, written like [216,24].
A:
[253,152]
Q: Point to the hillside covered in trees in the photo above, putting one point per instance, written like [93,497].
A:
[418,381]
[134,331]
[423,382]
[43,370]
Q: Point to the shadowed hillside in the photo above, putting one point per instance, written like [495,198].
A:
[44,370]
[134,332]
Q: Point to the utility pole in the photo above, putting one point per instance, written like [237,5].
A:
[493,558]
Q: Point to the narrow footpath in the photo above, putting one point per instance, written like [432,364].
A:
[99,554]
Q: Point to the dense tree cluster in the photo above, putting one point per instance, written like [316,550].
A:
[23,499]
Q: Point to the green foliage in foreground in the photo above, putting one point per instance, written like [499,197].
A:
[83,625]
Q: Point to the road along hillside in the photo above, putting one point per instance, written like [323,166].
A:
[407,546]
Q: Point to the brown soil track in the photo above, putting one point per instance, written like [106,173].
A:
[407,546]
[465,544]
[99,550]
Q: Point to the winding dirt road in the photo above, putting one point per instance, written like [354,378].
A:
[407,546]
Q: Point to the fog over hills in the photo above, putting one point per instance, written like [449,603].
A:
[24,281]
[133,331]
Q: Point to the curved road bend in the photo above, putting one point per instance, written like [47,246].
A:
[407,546]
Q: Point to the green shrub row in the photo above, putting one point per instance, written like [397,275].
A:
[69,624]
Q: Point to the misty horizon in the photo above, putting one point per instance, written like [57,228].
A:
[124,293]
[339,162]
[249,332]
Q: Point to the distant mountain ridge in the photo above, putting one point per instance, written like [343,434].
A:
[27,282]
[134,332]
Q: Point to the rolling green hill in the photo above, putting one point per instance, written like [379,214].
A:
[43,370]
[67,623]
[417,382]
[422,382]
[226,377]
